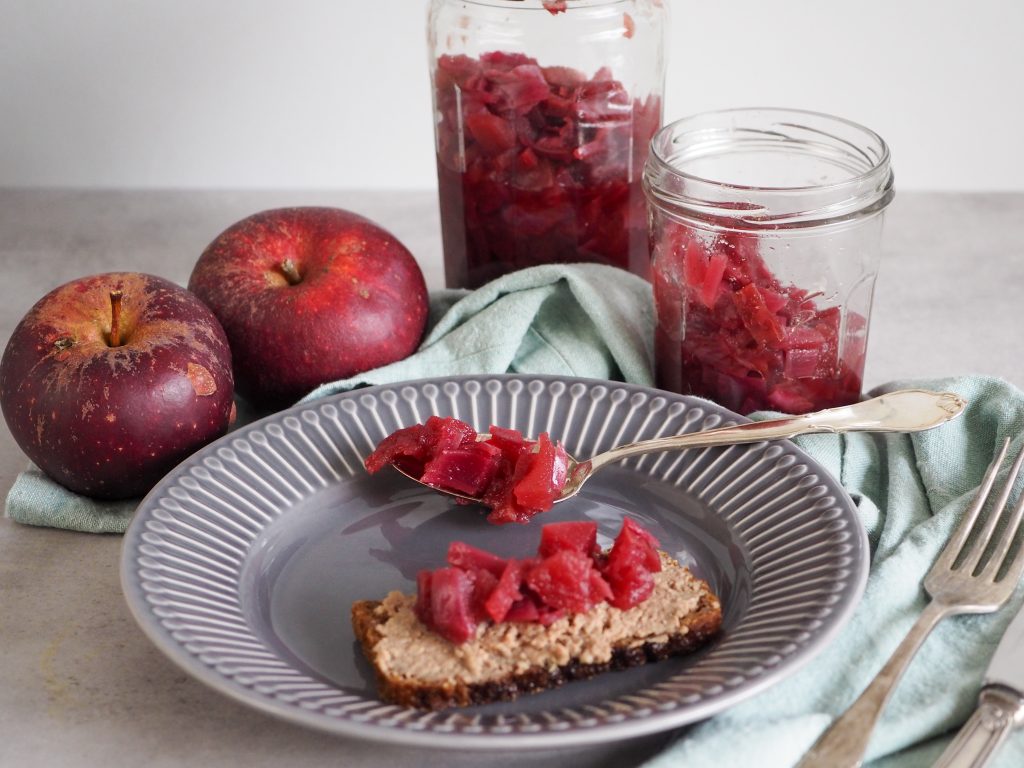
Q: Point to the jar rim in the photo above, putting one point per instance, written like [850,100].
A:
[833,143]
[538,5]
[882,161]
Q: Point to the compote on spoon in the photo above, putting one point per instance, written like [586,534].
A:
[905,410]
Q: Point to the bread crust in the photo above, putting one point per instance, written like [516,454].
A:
[702,625]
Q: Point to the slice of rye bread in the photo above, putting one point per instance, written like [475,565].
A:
[415,667]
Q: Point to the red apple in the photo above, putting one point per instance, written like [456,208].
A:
[310,295]
[111,380]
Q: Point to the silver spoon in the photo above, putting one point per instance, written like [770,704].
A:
[906,410]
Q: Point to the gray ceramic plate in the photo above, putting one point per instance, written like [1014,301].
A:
[242,564]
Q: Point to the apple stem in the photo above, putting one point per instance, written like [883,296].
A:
[115,318]
[291,272]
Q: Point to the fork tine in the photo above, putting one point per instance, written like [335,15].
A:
[1009,534]
[981,543]
[956,542]
[1016,567]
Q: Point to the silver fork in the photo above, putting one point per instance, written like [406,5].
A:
[962,580]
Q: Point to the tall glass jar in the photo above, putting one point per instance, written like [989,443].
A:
[765,228]
[544,112]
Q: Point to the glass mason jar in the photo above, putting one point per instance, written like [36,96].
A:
[544,111]
[765,231]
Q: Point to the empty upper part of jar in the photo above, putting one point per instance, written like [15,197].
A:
[768,168]
[622,39]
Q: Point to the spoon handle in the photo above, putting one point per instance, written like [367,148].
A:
[905,410]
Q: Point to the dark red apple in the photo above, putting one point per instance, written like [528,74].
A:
[310,295]
[109,381]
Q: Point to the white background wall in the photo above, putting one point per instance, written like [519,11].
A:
[334,93]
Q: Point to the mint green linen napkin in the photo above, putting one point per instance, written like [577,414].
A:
[568,320]
[910,490]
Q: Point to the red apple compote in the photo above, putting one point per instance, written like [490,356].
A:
[544,113]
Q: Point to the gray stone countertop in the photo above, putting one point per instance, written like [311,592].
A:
[80,685]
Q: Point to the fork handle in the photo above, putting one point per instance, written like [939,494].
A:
[844,743]
[999,711]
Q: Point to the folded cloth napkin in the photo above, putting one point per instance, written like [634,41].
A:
[910,491]
[570,320]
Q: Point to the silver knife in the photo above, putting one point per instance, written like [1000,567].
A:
[1000,705]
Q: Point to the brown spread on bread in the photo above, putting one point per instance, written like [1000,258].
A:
[417,667]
